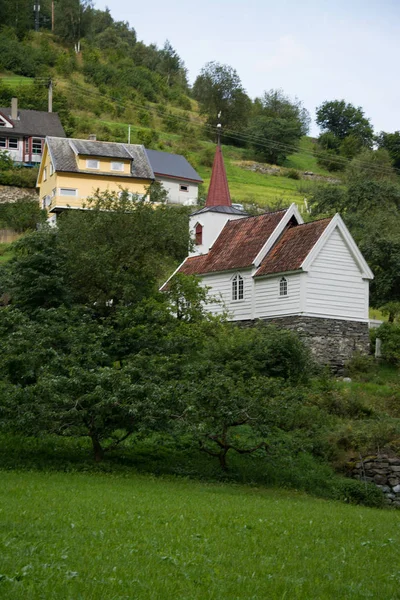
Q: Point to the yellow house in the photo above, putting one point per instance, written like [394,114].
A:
[72,170]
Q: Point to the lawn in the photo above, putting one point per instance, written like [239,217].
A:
[92,536]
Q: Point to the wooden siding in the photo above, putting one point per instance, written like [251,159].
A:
[268,302]
[335,287]
[221,287]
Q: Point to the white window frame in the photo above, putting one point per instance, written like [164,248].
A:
[183,186]
[3,144]
[35,144]
[237,287]
[121,167]
[45,174]
[51,169]
[73,195]
[92,160]
[283,287]
[12,147]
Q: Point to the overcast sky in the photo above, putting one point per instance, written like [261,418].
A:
[314,49]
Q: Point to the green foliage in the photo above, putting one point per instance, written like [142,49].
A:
[391,143]
[389,333]
[357,492]
[343,119]
[218,89]
[277,126]
[22,215]
[293,174]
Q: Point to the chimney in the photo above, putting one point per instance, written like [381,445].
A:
[92,137]
[14,109]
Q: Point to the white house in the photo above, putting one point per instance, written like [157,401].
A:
[23,132]
[177,176]
[309,277]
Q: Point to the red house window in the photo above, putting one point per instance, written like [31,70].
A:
[199,234]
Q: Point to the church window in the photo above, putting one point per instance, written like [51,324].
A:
[199,234]
[237,288]
[283,287]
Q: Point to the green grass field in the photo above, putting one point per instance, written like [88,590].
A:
[103,537]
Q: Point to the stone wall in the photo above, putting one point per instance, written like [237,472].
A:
[332,341]
[383,471]
[9,193]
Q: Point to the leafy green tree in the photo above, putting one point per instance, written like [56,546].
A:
[343,119]
[371,165]
[391,143]
[172,67]
[277,126]
[73,19]
[120,250]
[218,89]
[22,215]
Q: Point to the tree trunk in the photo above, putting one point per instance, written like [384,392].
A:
[222,459]
[97,449]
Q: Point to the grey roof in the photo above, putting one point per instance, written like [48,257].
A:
[63,154]
[172,165]
[230,210]
[33,122]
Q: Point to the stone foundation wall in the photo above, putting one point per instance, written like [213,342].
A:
[383,471]
[332,341]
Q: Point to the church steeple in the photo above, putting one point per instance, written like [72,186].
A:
[218,192]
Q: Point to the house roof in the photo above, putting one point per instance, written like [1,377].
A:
[63,154]
[172,165]
[218,192]
[237,245]
[230,210]
[292,248]
[33,122]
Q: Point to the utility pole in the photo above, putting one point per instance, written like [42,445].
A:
[50,96]
[52,16]
[36,8]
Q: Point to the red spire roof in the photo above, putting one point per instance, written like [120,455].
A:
[218,192]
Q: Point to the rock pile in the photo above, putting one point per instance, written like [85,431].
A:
[384,472]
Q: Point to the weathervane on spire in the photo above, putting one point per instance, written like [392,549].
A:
[219,127]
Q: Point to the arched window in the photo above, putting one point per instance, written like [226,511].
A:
[199,234]
[283,287]
[237,288]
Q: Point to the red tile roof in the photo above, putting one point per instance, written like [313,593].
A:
[218,192]
[236,246]
[292,248]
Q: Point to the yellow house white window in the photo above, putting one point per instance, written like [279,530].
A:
[92,164]
[51,169]
[45,174]
[117,166]
[68,192]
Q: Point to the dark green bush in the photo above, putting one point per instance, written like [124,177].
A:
[353,491]
[389,333]
[19,177]
[293,174]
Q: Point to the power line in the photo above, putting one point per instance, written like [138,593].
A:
[255,140]
[239,136]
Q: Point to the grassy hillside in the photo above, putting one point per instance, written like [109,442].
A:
[102,536]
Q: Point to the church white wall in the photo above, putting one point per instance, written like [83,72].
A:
[213,223]
[268,302]
[220,285]
[335,287]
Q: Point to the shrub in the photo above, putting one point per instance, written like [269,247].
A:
[19,177]
[293,174]
[389,333]
[206,157]
[22,215]
[357,492]
[147,137]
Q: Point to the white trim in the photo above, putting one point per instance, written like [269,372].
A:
[292,211]
[160,289]
[337,221]
[315,316]
[93,160]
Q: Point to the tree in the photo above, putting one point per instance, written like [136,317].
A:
[73,19]
[277,126]
[343,119]
[120,249]
[391,143]
[228,393]
[371,165]
[172,66]
[218,89]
